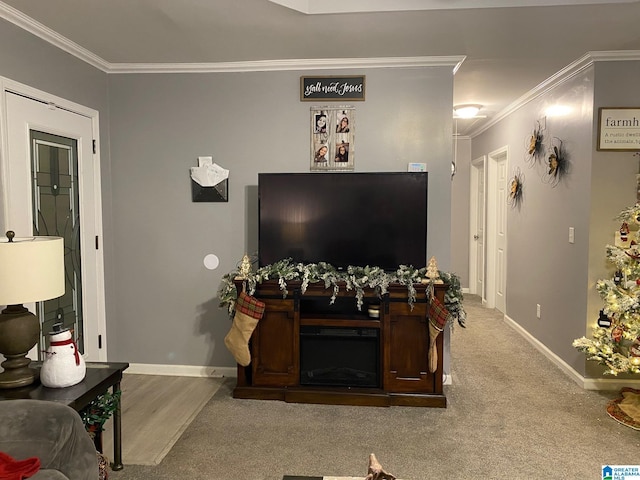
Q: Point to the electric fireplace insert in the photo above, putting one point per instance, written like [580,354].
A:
[339,356]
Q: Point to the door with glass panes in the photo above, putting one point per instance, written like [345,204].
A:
[53,189]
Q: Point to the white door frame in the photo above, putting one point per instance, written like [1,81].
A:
[7,210]
[495,285]
[475,274]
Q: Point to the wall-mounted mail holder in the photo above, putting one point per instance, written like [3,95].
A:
[209,182]
[217,193]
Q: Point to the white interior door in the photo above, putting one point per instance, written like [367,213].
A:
[480,208]
[501,234]
[51,186]
[477,228]
[496,259]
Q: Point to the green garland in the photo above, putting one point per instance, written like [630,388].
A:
[353,278]
[453,297]
[99,410]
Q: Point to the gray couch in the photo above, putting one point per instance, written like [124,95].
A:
[52,432]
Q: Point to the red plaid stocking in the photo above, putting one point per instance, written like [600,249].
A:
[438,316]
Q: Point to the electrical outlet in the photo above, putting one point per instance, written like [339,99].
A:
[537,310]
[572,235]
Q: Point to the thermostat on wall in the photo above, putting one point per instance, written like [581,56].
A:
[417,167]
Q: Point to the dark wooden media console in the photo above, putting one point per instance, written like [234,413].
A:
[306,350]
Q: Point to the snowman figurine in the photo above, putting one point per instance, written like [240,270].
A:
[63,365]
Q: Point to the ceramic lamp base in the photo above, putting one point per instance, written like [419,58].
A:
[17,377]
[19,333]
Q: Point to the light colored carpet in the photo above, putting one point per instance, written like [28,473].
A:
[156,410]
[511,414]
[346,478]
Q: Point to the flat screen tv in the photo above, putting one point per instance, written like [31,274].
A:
[376,219]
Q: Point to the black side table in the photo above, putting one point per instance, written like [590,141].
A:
[99,378]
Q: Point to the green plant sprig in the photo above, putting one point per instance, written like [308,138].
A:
[99,410]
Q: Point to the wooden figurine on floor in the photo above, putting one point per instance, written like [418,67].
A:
[376,472]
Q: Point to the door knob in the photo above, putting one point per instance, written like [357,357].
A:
[476,237]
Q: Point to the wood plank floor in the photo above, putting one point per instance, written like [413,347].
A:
[155,411]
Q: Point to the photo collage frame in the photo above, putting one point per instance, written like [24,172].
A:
[332,138]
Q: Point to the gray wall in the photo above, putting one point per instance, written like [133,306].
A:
[29,60]
[161,302]
[542,267]
[613,185]
[460,210]
[165,305]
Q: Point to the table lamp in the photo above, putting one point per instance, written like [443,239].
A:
[31,270]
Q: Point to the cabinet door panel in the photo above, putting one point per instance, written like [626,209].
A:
[275,346]
[407,344]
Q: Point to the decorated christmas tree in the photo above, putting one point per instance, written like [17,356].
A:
[616,340]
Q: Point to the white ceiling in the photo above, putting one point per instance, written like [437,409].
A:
[508,50]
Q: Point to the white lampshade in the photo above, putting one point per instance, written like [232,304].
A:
[31,269]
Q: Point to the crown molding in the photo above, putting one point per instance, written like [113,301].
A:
[559,78]
[323,7]
[63,43]
[36,28]
[292,64]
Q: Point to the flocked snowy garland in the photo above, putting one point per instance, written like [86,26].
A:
[354,279]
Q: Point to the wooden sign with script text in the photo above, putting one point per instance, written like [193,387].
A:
[332,88]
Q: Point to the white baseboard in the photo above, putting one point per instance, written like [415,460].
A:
[585,383]
[609,383]
[180,370]
[200,371]
[447,379]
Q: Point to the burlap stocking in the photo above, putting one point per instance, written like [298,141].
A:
[249,311]
[433,350]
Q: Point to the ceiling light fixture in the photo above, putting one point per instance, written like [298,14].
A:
[466,111]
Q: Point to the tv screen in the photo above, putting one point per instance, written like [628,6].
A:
[359,219]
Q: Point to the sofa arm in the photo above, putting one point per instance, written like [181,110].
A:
[52,432]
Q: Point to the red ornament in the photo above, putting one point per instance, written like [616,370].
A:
[616,334]
[624,232]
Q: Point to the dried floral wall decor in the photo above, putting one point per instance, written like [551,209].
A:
[557,163]
[515,189]
[332,138]
[534,148]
